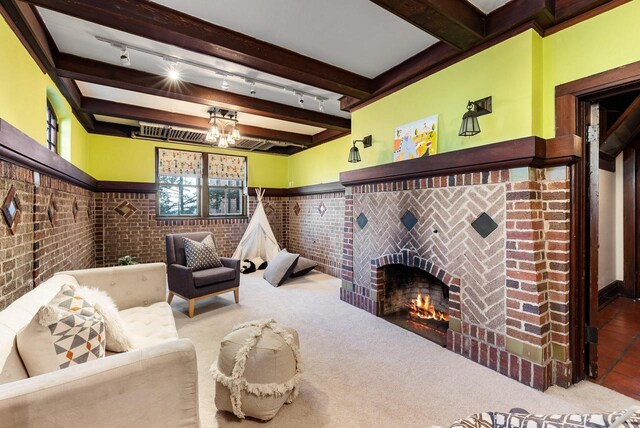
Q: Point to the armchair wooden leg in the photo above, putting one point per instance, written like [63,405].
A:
[170,298]
[236,294]
[192,303]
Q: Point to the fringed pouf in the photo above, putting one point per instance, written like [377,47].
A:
[258,369]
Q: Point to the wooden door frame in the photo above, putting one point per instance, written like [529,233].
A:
[570,114]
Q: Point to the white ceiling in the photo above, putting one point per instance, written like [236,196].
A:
[183,107]
[356,35]
[488,5]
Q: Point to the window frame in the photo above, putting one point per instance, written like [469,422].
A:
[203,199]
[54,146]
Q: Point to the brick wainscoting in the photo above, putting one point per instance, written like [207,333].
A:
[40,247]
[514,282]
[126,224]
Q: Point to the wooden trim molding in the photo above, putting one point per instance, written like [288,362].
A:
[20,149]
[521,152]
[316,189]
[609,293]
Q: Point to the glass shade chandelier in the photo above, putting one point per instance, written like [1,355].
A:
[223,132]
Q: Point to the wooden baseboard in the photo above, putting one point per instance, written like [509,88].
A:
[609,293]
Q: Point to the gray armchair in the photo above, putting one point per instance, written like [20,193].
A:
[193,286]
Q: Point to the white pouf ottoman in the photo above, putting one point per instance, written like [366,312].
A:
[258,369]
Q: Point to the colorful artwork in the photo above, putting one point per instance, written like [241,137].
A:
[416,139]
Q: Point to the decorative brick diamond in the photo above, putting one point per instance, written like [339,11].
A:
[74,210]
[409,220]
[126,209]
[11,210]
[52,210]
[362,220]
[269,209]
[484,225]
[322,209]
[296,208]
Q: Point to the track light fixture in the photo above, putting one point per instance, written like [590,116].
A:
[174,73]
[124,57]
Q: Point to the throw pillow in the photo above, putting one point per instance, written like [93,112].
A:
[247,266]
[201,255]
[303,267]
[65,332]
[280,268]
[117,337]
[260,264]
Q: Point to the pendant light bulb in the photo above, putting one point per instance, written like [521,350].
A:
[223,142]
[235,134]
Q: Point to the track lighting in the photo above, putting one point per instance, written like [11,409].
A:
[124,57]
[174,71]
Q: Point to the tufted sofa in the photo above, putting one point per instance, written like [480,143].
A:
[156,384]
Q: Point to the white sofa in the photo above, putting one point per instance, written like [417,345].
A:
[155,385]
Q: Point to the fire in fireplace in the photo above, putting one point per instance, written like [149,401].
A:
[417,301]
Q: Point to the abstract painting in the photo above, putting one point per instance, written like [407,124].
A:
[416,139]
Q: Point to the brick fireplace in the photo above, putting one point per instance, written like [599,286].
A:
[499,240]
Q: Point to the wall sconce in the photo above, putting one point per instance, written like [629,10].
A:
[470,125]
[354,153]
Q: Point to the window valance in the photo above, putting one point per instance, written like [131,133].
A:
[227,167]
[179,163]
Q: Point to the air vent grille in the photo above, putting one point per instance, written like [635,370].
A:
[156,131]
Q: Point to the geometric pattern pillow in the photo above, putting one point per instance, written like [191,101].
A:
[589,420]
[63,333]
[201,255]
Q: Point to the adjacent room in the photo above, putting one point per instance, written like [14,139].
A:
[298,213]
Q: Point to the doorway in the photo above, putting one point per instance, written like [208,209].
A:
[613,222]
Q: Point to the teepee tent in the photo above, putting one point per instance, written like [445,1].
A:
[258,239]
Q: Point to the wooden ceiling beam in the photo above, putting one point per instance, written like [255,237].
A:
[144,114]
[162,24]
[623,131]
[133,80]
[455,22]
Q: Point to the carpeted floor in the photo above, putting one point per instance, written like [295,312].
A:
[361,371]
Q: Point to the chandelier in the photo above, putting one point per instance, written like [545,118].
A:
[223,130]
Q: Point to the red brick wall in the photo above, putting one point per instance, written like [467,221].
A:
[314,228]
[37,250]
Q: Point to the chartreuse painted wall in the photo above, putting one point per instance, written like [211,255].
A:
[24,91]
[520,74]
[126,159]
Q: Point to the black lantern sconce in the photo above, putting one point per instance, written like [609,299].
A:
[470,125]
[354,153]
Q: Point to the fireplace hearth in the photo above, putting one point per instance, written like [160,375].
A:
[416,301]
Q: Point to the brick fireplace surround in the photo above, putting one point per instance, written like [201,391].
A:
[508,292]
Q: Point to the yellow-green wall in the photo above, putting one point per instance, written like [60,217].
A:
[520,74]
[126,159]
[24,90]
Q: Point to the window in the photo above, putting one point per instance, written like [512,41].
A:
[52,128]
[187,189]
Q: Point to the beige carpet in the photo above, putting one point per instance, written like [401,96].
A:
[361,371]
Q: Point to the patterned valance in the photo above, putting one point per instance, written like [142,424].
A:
[179,163]
[227,167]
